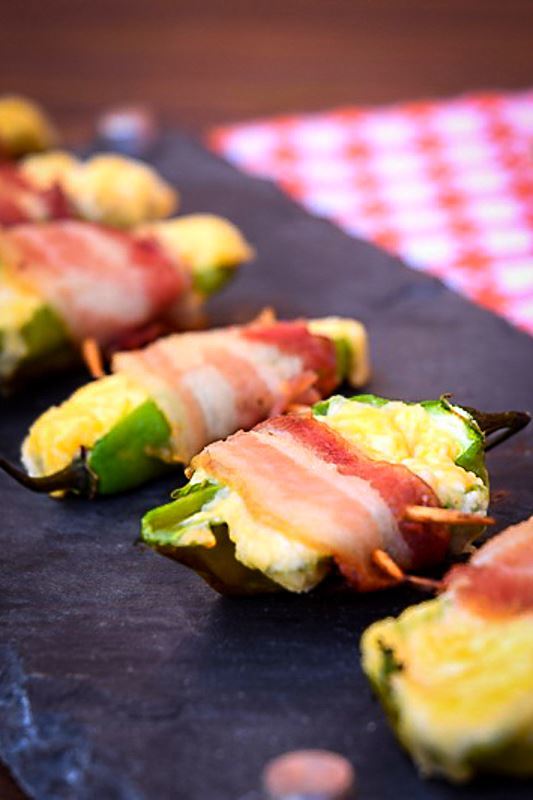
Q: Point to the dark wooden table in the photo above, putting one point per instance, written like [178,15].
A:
[202,62]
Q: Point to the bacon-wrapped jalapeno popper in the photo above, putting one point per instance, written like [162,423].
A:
[107,188]
[166,402]
[455,674]
[24,127]
[357,487]
[62,282]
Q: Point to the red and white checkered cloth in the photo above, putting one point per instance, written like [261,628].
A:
[448,185]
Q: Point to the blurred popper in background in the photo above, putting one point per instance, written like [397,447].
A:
[24,128]
[68,282]
[107,188]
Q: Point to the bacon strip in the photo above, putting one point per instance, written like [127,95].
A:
[427,543]
[162,377]
[21,201]
[498,580]
[253,398]
[318,352]
[210,384]
[102,282]
[302,479]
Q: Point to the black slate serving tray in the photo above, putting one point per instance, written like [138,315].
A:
[122,675]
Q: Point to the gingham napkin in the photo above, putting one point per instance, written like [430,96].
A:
[447,185]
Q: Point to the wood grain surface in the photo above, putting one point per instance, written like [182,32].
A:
[207,61]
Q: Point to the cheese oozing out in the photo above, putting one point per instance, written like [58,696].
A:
[427,444]
[56,437]
[107,188]
[18,302]
[291,564]
[397,432]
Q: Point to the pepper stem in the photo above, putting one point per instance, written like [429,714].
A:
[77,477]
[508,422]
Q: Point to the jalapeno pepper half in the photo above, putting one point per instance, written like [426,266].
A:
[164,403]
[455,674]
[62,282]
[357,487]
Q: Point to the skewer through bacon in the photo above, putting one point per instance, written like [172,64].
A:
[329,492]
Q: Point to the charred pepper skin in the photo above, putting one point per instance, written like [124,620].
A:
[161,527]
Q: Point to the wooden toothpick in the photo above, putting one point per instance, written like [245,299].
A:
[446,516]
[92,356]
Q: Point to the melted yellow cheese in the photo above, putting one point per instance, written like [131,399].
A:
[46,169]
[408,434]
[24,126]
[291,564]
[18,302]
[354,334]
[119,191]
[107,188]
[465,681]
[56,436]
[203,241]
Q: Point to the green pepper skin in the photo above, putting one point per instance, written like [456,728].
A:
[344,355]
[512,754]
[163,527]
[47,345]
[210,280]
[125,457]
[471,459]
[49,348]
